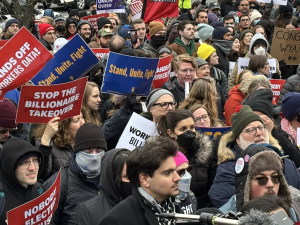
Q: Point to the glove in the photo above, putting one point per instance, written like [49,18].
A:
[130,101]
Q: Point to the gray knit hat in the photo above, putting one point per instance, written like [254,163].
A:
[88,136]
[200,62]
[204,31]
[155,95]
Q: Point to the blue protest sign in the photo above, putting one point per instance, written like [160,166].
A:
[72,61]
[110,6]
[213,131]
[125,74]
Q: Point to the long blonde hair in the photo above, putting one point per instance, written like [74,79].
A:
[90,115]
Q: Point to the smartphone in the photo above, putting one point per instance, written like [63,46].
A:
[133,37]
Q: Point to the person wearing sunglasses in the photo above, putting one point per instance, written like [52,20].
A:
[179,125]
[71,30]
[103,22]
[259,171]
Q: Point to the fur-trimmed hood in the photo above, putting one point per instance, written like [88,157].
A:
[225,153]
[205,150]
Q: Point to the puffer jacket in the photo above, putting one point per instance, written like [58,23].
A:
[291,85]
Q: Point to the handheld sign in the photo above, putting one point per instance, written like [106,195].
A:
[136,132]
[94,18]
[110,6]
[2,43]
[244,62]
[213,131]
[39,104]
[100,52]
[72,61]
[39,210]
[231,66]
[125,74]
[22,57]
[163,71]
[276,88]
[285,45]
[280,2]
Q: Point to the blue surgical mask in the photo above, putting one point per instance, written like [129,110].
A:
[256,21]
[184,186]
[236,20]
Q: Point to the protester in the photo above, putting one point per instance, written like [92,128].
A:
[179,125]
[214,7]
[255,18]
[163,51]
[84,29]
[204,32]
[204,117]
[245,40]
[285,14]
[140,27]
[243,6]
[92,8]
[292,25]
[114,188]
[20,166]
[12,26]
[103,22]
[201,15]
[114,24]
[125,32]
[47,34]
[151,170]
[260,29]
[103,37]
[189,15]
[235,51]
[244,23]
[74,13]
[203,70]
[259,64]
[71,25]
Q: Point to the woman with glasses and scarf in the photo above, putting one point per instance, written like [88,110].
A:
[179,125]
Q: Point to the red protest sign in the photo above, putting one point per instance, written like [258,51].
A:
[38,104]
[94,18]
[22,57]
[39,210]
[163,71]
[276,88]
[100,52]
[2,43]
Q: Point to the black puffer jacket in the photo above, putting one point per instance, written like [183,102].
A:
[291,85]
[75,189]
[92,211]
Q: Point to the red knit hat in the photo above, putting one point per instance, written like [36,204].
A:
[45,27]
[7,114]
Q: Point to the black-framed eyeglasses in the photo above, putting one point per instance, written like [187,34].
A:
[253,130]
[197,120]
[183,171]
[262,181]
[165,105]
[4,131]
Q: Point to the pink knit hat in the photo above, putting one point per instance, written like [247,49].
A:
[180,158]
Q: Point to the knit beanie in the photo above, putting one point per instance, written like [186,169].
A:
[88,136]
[290,105]
[180,158]
[204,31]
[10,21]
[200,62]
[286,8]
[173,35]
[102,21]
[74,12]
[205,50]
[255,14]
[8,114]
[155,27]
[44,28]
[241,118]
[81,22]
[155,95]
[217,24]
[59,18]
[261,100]
[212,18]
[70,21]
[219,32]
[244,32]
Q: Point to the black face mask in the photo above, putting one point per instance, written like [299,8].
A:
[288,14]
[98,79]
[252,7]
[186,139]
[94,12]
[157,41]
[126,189]
[60,28]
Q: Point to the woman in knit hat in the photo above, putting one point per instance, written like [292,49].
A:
[70,31]
[245,39]
[255,17]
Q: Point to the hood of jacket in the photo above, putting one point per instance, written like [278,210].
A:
[236,90]
[226,154]
[189,48]
[255,38]
[224,45]
[203,150]
[107,181]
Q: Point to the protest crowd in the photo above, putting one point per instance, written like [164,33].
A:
[127,117]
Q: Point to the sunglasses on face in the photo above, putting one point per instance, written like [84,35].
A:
[183,171]
[262,181]
[110,27]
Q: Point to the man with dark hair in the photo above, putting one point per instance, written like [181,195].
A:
[214,7]
[92,8]
[12,26]
[185,44]
[151,170]
[244,23]
[116,43]
[84,29]
[201,15]
[104,35]
[229,21]
[140,27]
[243,6]
[189,15]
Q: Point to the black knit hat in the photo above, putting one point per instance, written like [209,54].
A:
[88,136]
[241,118]
[219,32]
[261,100]
[71,20]
[286,8]
[102,21]
[74,12]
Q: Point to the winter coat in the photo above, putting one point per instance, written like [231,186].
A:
[177,91]
[131,211]
[221,79]
[15,193]
[227,6]
[220,102]
[291,85]
[223,48]
[93,210]
[108,106]
[54,158]
[93,44]
[223,186]
[180,48]
[149,49]
[75,188]
[236,97]
[186,16]
[46,44]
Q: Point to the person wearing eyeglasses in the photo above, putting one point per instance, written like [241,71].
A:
[179,125]
[19,170]
[247,128]
[259,171]
[84,29]
[12,26]
[47,35]
[244,23]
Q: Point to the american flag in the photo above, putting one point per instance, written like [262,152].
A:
[136,7]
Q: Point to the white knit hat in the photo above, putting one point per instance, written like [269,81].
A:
[255,14]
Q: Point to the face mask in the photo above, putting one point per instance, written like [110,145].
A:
[236,20]
[94,12]
[186,139]
[185,182]
[218,14]
[288,14]
[98,79]
[89,163]
[256,21]
[157,41]
[60,28]
[260,51]
[252,7]
[126,189]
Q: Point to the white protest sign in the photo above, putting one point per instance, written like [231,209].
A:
[265,1]
[272,64]
[280,2]
[231,66]
[243,64]
[298,136]
[136,132]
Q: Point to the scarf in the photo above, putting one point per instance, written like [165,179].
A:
[224,45]
[287,127]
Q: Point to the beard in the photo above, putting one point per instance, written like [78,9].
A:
[245,144]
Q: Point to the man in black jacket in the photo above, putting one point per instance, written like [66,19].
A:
[47,34]
[80,179]
[152,171]
[189,15]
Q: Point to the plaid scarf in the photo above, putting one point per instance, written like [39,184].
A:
[287,127]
